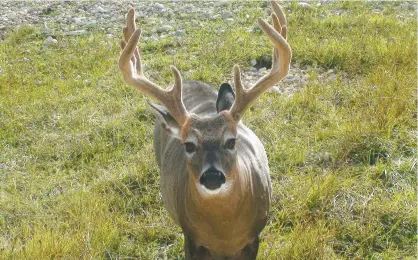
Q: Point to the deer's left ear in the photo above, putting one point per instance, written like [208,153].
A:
[168,123]
[226,97]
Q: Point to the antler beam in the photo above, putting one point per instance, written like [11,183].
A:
[131,68]
[282,55]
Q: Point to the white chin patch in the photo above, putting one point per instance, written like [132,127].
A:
[205,192]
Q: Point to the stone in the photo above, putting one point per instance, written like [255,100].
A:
[159,6]
[100,9]
[222,3]
[164,28]
[216,16]
[77,33]
[304,5]
[50,41]
[332,77]
[91,24]
[180,33]
[154,37]
[227,15]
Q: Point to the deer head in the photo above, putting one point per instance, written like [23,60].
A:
[211,140]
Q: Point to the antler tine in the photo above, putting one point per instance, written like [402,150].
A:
[128,30]
[130,66]
[277,26]
[279,13]
[282,54]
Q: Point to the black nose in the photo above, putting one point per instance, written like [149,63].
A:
[212,179]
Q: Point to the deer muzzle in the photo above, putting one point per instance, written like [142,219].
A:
[212,179]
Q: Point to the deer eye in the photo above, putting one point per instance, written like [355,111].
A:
[230,144]
[190,147]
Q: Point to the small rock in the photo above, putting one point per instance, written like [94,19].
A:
[405,6]
[159,6]
[180,33]
[229,20]
[76,33]
[50,41]
[79,20]
[253,62]
[153,37]
[164,28]
[188,7]
[331,71]
[227,15]
[1,70]
[222,3]
[100,10]
[304,5]
[216,16]
[262,69]
[332,77]
[110,36]
[171,52]
[92,24]
[247,16]
[327,157]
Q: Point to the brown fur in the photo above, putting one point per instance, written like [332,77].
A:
[219,225]
[218,192]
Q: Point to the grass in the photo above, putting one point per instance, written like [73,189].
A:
[78,179]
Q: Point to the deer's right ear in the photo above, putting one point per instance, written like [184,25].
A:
[226,97]
[168,123]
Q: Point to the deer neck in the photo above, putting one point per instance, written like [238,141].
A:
[225,204]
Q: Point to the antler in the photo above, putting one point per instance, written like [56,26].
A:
[131,68]
[282,54]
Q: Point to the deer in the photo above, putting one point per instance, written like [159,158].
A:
[214,172]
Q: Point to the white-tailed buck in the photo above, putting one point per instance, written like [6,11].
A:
[215,179]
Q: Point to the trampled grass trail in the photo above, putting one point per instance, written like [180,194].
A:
[78,178]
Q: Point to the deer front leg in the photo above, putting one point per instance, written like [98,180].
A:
[250,251]
[194,252]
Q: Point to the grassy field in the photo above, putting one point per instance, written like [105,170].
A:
[78,179]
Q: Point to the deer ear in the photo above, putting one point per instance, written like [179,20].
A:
[168,123]
[226,97]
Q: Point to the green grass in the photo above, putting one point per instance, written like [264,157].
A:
[78,179]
